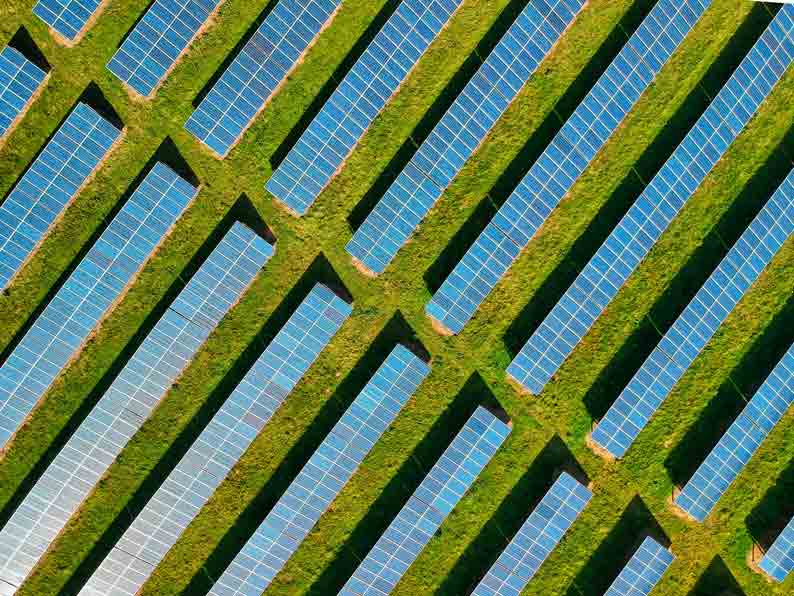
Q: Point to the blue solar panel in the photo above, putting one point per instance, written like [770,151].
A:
[699,321]
[134,394]
[257,72]
[779,559]
[738,445]
[50,184]
[648,218]
[539,535]
[425,511]
[88,294]
[68,18]
[211,457]
[643,571]
[150,51]
[460,131]
[20,80]
[364,92]
[563,161]
[323,476]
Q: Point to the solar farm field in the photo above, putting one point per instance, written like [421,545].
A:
[632,498]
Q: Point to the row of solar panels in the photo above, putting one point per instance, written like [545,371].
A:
[157,364]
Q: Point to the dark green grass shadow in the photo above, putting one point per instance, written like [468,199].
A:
[434,114]
[23,42]
[635,524]
[167,153]
[741,384]
[117,366]
[717,580]
[320,270]
[632,186]
[510,516]
[333,82]
[465,236]
[775,509]
[249,33]
[474,392]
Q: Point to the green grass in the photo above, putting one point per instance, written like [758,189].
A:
[548,430]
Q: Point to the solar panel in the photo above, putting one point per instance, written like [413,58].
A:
[20,80]
[324,146]
[152,48]
[460,131]
[663,198]
[258,71]
[68,18]
[643,571]
[434,499]
[778,562]
[324,475]
[211,457]
[735,448]
[89,293]
[135,392]
[539,535]
[699,321]
[553,175]
[50,184]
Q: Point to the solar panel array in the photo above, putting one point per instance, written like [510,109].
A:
[135,392]
[740,442]
[20,79]
[152,48]
[211,457]
[539,535]
[362,94]
[432,501]
[778,561]
[460,131]
[257,72]
[50,184]
[88,294]
[324,475]
[663,198]
[553,175]
[67,17]
[699,321]
[643,571]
